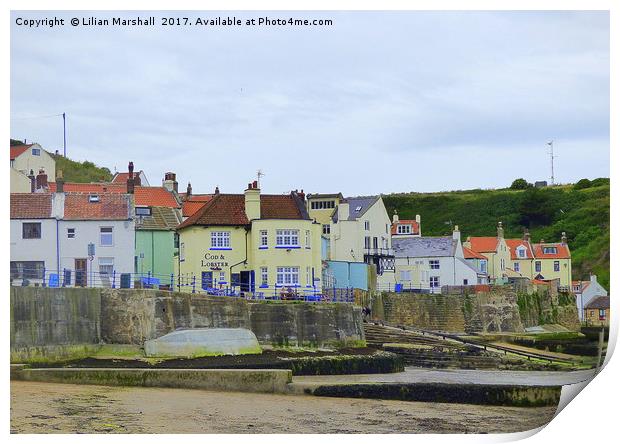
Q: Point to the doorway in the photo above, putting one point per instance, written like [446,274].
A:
[80,272]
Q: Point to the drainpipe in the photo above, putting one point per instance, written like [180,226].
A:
[57,252]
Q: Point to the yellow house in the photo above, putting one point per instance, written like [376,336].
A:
[521,256]
[321,208]
[552,260]
[495,250]
[251,243]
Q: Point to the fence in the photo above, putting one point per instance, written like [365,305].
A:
[407,288]
[188,283]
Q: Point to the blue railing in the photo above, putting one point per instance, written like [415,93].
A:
[187,283]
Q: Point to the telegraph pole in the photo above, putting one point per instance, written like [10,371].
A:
[64,134]
[552,157]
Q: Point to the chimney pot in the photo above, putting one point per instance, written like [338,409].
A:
[217,190]
[41,180]
[189,190]
[395,217]
[255,184]
[60,183]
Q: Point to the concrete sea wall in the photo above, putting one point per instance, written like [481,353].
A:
[56,322]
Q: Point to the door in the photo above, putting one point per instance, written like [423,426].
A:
[80,272]
[247,281]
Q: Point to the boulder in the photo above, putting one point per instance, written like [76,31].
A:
[196,342]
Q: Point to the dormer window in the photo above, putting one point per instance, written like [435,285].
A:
[403,229]
[550,250]
[93,198]
[358,208]
[143,211]
[521,252]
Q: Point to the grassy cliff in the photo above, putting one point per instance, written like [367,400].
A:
[84,172]
[583,213]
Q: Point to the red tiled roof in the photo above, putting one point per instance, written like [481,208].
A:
[483,244]
[470,254]
[74,187]
[191,206]
[229,209]
[415,227]
[17,150]
[31,205]
[122,177]
[111,206]
[562,251]
[513,244]
[155,197]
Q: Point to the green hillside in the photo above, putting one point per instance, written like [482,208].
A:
[583,213]
[86,171]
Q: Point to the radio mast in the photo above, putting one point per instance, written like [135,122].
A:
[550,143]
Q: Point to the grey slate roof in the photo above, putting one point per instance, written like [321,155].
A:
[361,202]
[162,218]
[424,246]
[599,302]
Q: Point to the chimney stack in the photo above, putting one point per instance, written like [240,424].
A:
[41,180]
[564,238]
[130,180]
[252,201]
[170,182]
[418,219]
[395,217]
[456,234]
[217,190]
[60,183]
[32,181]
[188,193]
[302,195]
[500,230]
[526,235]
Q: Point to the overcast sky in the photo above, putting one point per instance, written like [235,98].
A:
[375,103]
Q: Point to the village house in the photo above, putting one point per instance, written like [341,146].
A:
[429,263]
[552,260]
[479,262]
[521,257]
[597,311]
[496,251]
[71,239]
[251,242]
[28,161]
[360,232]
[585,291]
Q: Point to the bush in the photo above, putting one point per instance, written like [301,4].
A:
[583,183]
[520,184]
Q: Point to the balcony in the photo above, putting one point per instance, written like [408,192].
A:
[382,258]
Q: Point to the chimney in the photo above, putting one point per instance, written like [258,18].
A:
[343,210]
[252,201]
[564,238]
[32,181]
[130,180]
[456,234]
[60,183]
[395,217]
[592,278]
[188,193]
[526,235]
[217,190]
[41,180]
[418,219]
[500,230]
[302,195]
[170,182]
[137,181]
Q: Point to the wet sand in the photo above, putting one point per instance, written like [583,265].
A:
[65,408]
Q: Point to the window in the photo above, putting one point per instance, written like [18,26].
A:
[27,270]
[287,276]
[287,238]
[264,277]
[367,225]
[550,250]
[31,230]
[521,252]
[176,240]
[358,209]
[182,251]
[516,268]
[222,277]
[323,204]
[36,152]
[601,314]
[403,229]
[106,266]
[308,239]
[405,275]
[367,242]
[106,237]
[93,198]
[465,281]
[207,280]
[308,277]
[434,282]
[326,229]
[375,243]
[502,264]
[537,266]
[264,240]
[483,266]
[143,211]
[556,265]
[220,239]
[433,264]
[71,233]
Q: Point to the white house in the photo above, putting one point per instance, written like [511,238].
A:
[586,291]
[429,263]
[360,232]
[29,161]
[71,239]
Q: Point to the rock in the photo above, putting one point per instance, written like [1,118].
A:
[197,342]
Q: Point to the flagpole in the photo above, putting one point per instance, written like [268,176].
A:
[64,135]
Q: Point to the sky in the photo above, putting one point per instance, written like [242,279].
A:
[378,102]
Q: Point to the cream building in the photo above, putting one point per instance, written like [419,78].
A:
[496,251]
[29,160]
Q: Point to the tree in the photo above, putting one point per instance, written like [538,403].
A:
[583,183]
[536,208]
[520,184]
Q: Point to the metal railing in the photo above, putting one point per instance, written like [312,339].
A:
[187,283]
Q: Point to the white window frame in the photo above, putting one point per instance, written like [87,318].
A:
[405,275]
[521,252]
[264,239]
[327,229]
[287,276]
[107,264]
[483,265]
[287,238]
[264,276]
[556,269]
[182,251]
[403,229]
[537,266]
[308,277]
[367,225]
[308,239]
[550,250]
[516,267]
[434,282]
[220,239]
[71,233]
[101,236]
[434,264]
